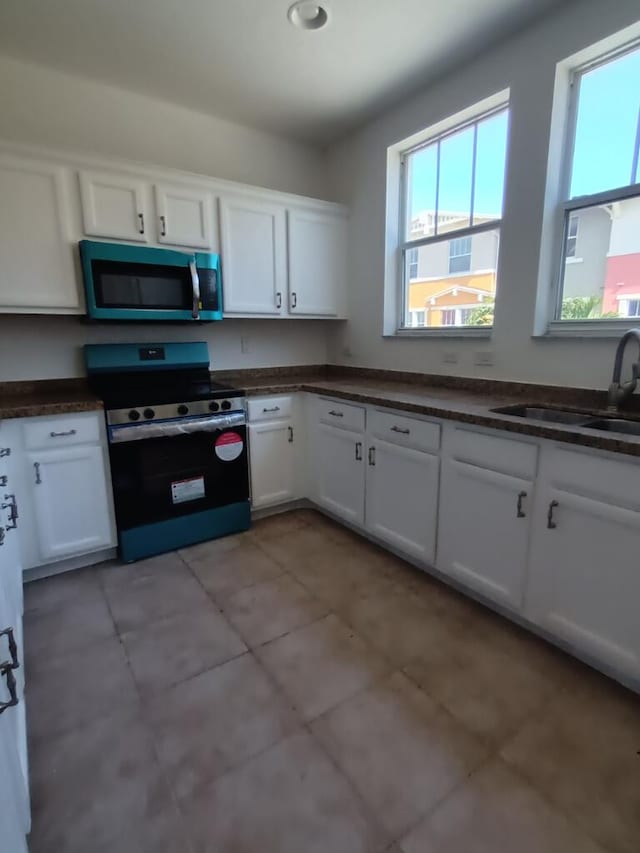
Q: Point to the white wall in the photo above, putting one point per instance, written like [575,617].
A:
[46,108]
[526,65]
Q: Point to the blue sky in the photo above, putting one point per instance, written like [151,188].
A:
[605,137]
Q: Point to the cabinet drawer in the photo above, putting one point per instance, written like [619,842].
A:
[269,408]
[494,452]
[602,478]
[409,432]
[342,415]
[61,431]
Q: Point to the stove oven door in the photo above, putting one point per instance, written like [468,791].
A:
[177,468]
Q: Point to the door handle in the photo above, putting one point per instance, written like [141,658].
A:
[13,649]
[7,672]
[290,434]
[36,466]
[372,456]
[5,451]
[12,506]
[519,511]
[2,535]
[163,226]
[278,300]
[358,451]
[195,287]
[4,481]
[551,524]
[294,299]
[141,221]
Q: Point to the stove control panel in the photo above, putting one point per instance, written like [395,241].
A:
[175,411]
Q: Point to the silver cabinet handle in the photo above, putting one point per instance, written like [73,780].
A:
[294,299]
[36,466]
[336,414]
[272,409]
[290,434]
[5,451]
[551,524]
[7,672]
[62,434]
[195,289]
[372,456]
[141,221]
[12,506]
[358,451]
[519,511]
[278,300]
[13,649]
[163,226]
[400,430]
[4,480]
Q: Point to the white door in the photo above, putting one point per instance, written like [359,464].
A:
[271,448]
[584,580]
[184,216]
[340,472]
[402,498]
[483,530]
[36,253]
[71,502]
[113,205]
[254,245]
[317,262]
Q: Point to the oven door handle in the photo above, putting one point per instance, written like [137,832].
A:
[195,288]
[167,429]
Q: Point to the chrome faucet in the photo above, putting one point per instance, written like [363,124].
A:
[618,392]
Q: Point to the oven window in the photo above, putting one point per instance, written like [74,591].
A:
[120,285]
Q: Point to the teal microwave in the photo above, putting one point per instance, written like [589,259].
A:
[143,283]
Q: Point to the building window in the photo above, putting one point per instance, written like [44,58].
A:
[418,319]
[459,255]
[630,307]
[452,192]
[602,199]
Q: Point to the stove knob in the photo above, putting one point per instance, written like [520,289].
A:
[134,415]
[149,413]
[183,410]
[226,405]
[213,407]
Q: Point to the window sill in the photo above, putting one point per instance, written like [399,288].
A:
[589,329]
[453,332]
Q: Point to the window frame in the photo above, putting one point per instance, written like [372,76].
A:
[406,245]
[569,207]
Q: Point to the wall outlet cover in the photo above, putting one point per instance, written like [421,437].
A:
[450,357]
[483,358]
[245,345]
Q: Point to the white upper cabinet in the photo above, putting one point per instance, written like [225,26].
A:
[317,262]
[184,215]
[114,206]
[36,251]
[254,252]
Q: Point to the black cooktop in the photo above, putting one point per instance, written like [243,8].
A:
[133,389]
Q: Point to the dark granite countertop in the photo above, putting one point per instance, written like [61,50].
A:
[46,397]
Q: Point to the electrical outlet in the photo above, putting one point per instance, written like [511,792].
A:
[483,358]
[245,345]
[450,357]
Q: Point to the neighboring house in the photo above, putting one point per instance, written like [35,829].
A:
[622,275]
[586,254]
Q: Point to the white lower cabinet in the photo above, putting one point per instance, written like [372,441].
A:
[584,575]
[340,472]
[271,447]
[402,498]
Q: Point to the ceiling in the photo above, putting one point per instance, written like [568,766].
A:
[243,60]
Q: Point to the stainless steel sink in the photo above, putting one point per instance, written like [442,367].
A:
[614,425]
[545,413]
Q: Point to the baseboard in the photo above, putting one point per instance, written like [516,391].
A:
[80,562]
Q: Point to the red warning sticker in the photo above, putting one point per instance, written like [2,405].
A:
[229,446]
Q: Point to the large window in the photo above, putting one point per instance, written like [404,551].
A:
[452,190]
[600,270]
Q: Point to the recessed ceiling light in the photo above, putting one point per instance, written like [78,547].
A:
[307,15]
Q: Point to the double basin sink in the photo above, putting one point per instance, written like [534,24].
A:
[568,417]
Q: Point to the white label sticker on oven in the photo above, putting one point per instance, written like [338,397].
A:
[229,446]
[187,490]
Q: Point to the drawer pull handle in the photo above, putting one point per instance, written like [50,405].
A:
[36,466]
[290,434]
[11,685]
[4,481]
[400,430]
[358,451]
[336,414]
[12,506]
[519,511]
[372,456]
[272,409]
[5,451]
[63,434]
[551,524]
[13,649]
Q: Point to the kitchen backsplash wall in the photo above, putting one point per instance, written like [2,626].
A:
[37,347]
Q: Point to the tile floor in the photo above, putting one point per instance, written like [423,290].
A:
[295,689]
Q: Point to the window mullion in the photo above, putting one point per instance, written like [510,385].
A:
[473,172]
[636,153]
[437,207]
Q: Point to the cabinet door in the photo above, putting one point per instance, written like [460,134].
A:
[36,254]
[584,582]
[271,448]
[114,206]
[340,472]
[483,531]
[317,263]
[402,498]
[253,256]
[184,216]
[71,501]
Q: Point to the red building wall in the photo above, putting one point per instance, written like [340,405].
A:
[622,279]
